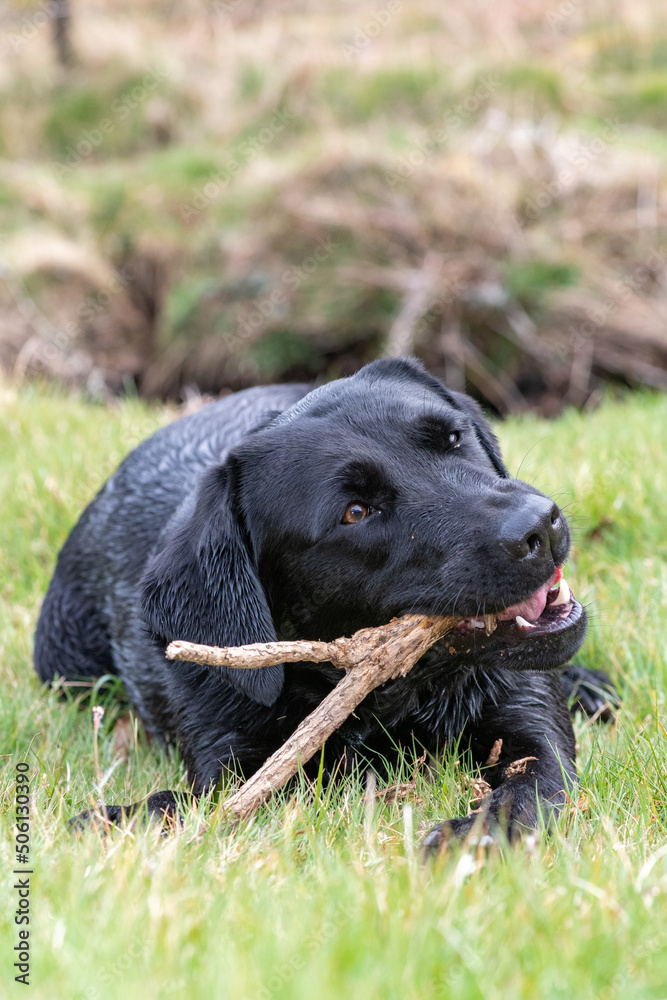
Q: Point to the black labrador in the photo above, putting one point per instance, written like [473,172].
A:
[292,512]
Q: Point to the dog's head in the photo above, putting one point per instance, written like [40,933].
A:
[374,496]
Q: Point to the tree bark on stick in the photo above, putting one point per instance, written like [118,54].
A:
[370,657]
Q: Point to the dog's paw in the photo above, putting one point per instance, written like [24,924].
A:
[161,807]
[474,829]
[590,691]
[444,833]
[102,818]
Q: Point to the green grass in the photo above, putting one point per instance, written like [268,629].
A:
[320,896]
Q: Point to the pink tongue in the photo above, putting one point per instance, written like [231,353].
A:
[530,609]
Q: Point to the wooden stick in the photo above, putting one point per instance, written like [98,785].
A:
[259,654]
[370,657]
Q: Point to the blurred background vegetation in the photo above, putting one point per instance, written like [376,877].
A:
[196,197]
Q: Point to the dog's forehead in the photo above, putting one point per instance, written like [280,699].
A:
[364,404]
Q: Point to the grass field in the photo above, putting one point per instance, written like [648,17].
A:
[325,896]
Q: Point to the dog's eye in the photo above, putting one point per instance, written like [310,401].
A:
[355,512]
[454,438]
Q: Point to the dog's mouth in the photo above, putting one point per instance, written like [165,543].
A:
[551,608]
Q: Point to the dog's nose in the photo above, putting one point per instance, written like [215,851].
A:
[534,531]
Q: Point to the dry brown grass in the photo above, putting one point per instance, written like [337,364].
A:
[521,253]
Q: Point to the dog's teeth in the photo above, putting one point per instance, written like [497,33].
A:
[522,623]
[477,622]
[563,595]
[490,623]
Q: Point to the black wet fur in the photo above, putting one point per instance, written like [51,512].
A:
[590,691]
[226,528]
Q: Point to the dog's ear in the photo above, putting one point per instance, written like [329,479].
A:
[203,586]
[483,432]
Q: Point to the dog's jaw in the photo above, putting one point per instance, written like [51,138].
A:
[530,613]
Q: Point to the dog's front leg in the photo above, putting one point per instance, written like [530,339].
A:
[535,767]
